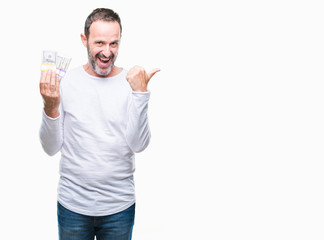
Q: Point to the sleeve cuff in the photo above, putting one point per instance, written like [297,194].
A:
[148,92]
[50,118]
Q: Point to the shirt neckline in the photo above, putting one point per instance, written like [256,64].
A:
[101,78]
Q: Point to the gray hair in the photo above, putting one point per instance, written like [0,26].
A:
[103,14]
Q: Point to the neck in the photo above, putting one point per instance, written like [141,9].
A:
[114,71]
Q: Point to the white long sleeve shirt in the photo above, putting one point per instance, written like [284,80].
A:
[102,123]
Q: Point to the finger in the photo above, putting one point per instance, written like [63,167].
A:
[53,81]
[42,81]
[57,83]
[48,81]
[152,72]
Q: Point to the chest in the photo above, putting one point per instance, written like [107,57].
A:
[96,103]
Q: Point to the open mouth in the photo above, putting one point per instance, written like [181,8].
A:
[104,60]
[102,64]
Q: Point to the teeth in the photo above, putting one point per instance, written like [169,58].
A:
[105,59]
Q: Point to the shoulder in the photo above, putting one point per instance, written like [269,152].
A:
[74,72]
[116,71]
[72,75]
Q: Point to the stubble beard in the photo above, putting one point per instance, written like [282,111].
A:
[94,66]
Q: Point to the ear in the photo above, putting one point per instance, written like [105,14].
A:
[119,39]
[84,40]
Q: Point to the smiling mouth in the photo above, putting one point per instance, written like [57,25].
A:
[104,60]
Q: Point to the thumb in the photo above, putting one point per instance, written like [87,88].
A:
[151,73]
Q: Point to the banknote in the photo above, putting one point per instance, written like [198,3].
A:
[62,64]
[49,60]
[55,61]
[49,57]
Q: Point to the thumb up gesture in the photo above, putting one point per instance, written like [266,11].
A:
[138,78]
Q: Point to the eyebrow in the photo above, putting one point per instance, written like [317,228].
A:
[115,41]
[104,41]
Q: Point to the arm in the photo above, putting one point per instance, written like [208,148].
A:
[51,131]
[138,131]
[51,134]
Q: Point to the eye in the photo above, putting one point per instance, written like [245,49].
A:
[114,44]
[99,43]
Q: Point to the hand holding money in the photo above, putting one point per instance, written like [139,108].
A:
[50,91]
[53,68]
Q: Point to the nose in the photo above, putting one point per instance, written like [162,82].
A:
[106,50]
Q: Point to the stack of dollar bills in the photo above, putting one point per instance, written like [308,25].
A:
[54,61]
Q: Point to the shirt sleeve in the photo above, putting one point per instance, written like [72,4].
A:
[138,133]
[51,133]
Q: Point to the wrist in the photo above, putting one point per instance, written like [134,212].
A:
[52,113]
[143,89]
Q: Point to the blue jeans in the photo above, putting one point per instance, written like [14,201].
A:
[74,226]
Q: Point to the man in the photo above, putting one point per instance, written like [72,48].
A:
[97,117]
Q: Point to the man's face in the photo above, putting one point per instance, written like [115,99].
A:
[102,46]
